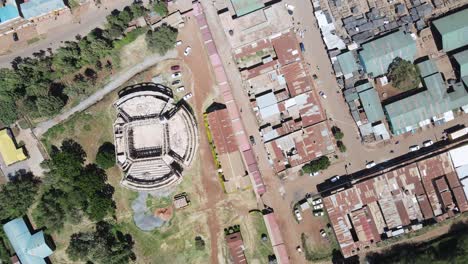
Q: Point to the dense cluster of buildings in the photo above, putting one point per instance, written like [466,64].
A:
[399,201]
[155,138]
[361,68]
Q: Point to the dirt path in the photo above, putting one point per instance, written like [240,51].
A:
[202,83]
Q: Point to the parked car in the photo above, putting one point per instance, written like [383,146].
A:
[176,82]
[317,201]
[298,214]
[334,179]
[180,89]
[318,206]
[428,143]
[188,96]
[252,140]
[187,51]
[322,94]
[176,75]
[175,67]
[178,43]
[323,233]
[314,174]
[370,164]
[315,76]
[301,45]
[414,148]
[318,212]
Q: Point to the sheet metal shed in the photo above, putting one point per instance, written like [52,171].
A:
[8,12]
[8,150]
[453,30]
[35,8]
[347,63]
[462,60]
[30,248]
[376,55]
[427,68]
[371,104]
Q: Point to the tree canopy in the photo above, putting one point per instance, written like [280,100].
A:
[17,195]
[105,157]
[162,39]
[106,245]
[160,8]
[73,189]
[321,163]
[403,74]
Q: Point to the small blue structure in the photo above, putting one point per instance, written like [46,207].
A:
[30,248]
[35,8]
[8,12]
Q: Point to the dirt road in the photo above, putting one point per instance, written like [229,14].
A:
[116,81]
[94,17]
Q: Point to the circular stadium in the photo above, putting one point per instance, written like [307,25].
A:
[155,137]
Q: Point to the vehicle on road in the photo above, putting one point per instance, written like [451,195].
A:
[322,94]
[299,249]
[318,212]
[180,89]
[317,201]
[428,143]
[370,165]
[318,206]
[314,174]
[298,214]
[458,133]
[176,82]
[252,140]
[187,51]
[188,96]
[323,233]
[414,148]
[175,67]
[176,75]
[301,45]
[334,179]
[178,43]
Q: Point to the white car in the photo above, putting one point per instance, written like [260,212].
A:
[323,233]
[314,174]
[188,96]
[414,148]
[318,213]
[370,164]
[298,215]
[318,206]
[428,143]
[324,96]
[317,201]
[176,75]
[334,179]
[180,89]
[187,51]
[178,43]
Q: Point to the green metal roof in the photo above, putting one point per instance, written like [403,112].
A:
[427,68]
[435,84]
[453,29]
[406,114]
[378,54]
[462,60]
[371,102]
[349,97]
[243,7]
[347,62]
[363,87]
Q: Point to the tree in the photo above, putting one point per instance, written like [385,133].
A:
[17,196]
[403,74]
[105,156]
[49,105]
[199,243]
[105,245]
[341,146]
[321,163]
[8,110]
[162,39]
[337,133]
[160,8]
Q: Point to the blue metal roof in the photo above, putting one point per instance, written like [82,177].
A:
[30,249]
[35,8]
[8,12]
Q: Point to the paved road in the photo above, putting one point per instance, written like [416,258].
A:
[92,18]
[117,81]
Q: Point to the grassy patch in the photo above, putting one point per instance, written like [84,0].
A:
[257,249]
[33,40]
[129,37]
